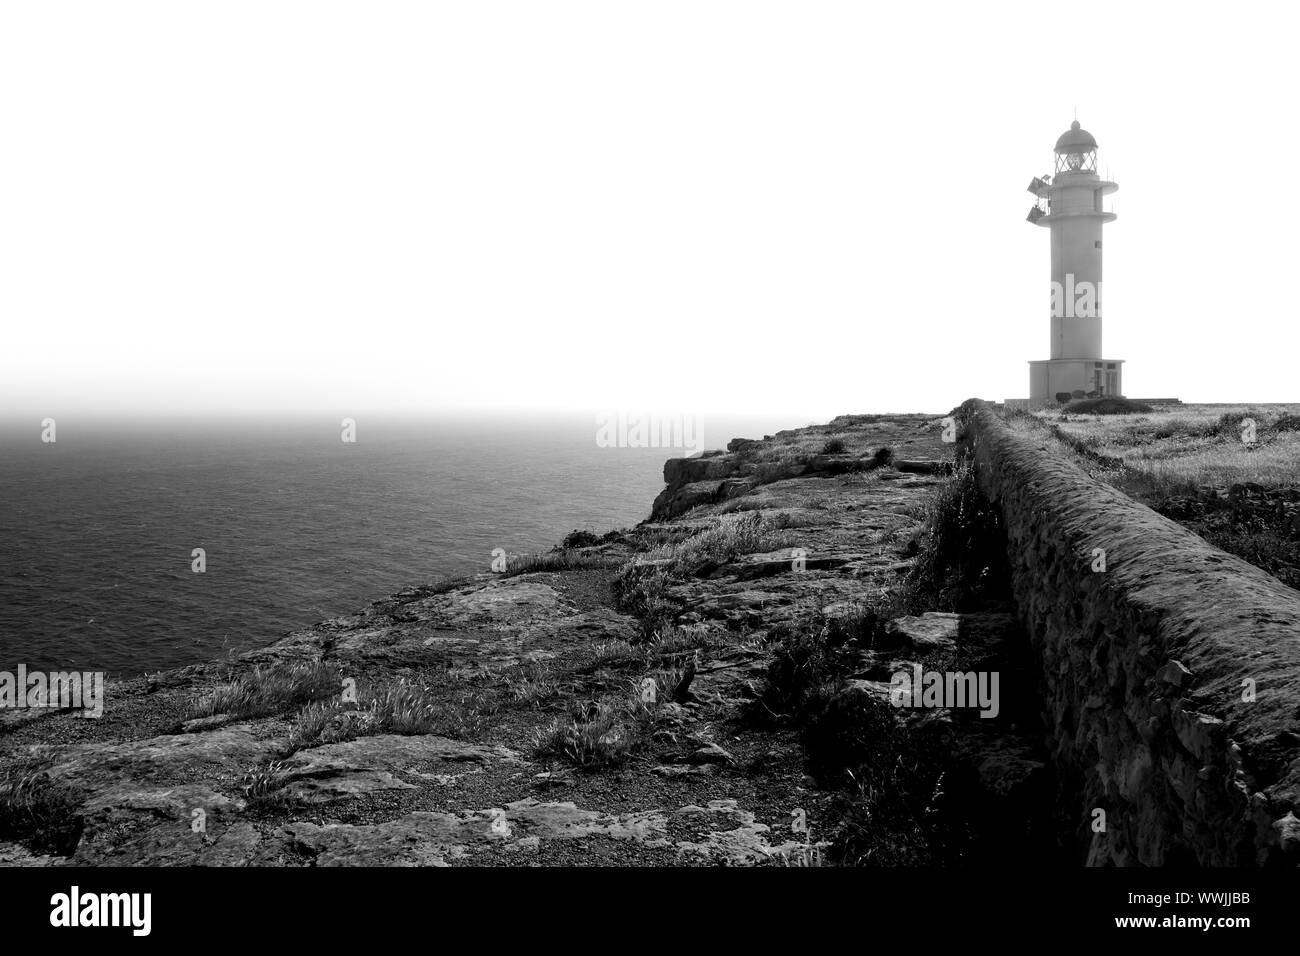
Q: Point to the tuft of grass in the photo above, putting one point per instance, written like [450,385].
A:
[531,684]
[397,707]
[263,788]
[601,735]
[564,559]
[591,742]
[811,854]
[326,722]
[615,655]
[265,691]
[728,538]
[667,643]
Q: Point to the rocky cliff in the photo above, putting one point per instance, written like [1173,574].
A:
[721,685]
[583,706]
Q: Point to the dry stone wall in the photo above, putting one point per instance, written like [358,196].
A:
[1170,669]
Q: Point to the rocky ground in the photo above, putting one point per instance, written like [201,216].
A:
[619,701]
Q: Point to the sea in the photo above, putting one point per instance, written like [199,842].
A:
[129,546]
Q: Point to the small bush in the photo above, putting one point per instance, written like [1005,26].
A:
[641,590]
[851,736]
[579,539]
[833,447]
[876,826]
[1107,406]
[802,664]
[38,810]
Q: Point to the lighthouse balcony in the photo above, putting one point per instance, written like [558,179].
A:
[1050,218]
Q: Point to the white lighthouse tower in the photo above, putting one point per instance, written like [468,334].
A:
[1070,206]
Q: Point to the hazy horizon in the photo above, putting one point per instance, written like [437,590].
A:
[745,207]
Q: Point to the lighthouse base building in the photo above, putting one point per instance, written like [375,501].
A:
[1069,203]
[1051,379]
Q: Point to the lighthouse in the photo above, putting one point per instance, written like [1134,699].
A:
[1069,205]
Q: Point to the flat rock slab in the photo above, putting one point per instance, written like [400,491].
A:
[737,840]
[435,839]
[367,764]
[424,838]
[146,764]
[925,633]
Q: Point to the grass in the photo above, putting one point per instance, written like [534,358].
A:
[607,733]
[961,553]
[1190,447]
[599,736]
[263,788]
[1190,463]
[666,649]
[564,559]
[727,539]
[641,587]
[396,707]
[266,691]
[615,655]
[530,685]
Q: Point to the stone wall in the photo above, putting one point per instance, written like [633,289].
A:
[1171,678]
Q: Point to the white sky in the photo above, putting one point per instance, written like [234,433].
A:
[709,206]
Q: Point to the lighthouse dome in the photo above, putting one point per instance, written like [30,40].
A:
[1075,140]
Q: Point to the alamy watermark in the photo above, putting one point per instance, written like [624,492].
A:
[648,430]
[75,908]
[921,688]
[1076,300]
[54,690]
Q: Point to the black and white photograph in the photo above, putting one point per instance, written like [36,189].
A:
[692,446]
